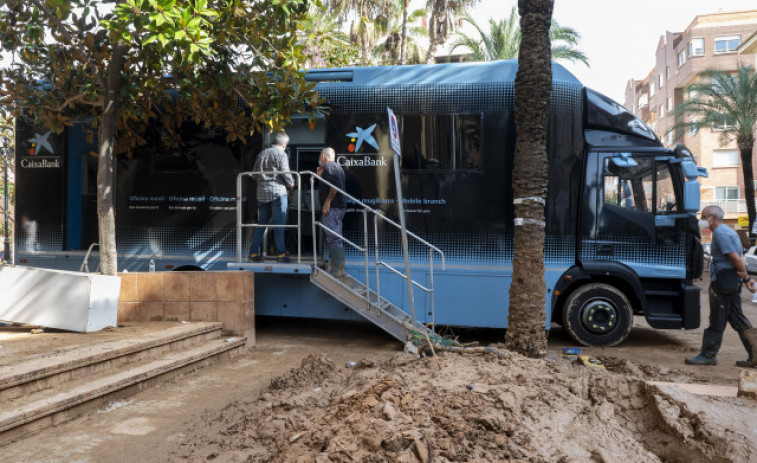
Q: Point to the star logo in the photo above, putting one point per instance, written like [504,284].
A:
[361,135]
[40,142]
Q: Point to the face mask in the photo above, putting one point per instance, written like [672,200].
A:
[704,224]
[320,164]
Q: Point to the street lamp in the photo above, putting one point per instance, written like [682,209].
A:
[7,256]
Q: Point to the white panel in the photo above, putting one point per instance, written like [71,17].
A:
[58,299]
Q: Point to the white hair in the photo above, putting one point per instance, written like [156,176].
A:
[280,139]
[329,153]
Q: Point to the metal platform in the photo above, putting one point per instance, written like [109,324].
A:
[271,267]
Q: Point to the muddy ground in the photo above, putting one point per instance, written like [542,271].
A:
[294,398]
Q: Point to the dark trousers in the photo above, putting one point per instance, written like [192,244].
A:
[333,221]
[726,308]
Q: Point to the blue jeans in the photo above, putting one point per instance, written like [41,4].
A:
[272,213]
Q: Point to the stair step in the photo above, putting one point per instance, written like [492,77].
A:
[40,372]
[51,406]
[365,302]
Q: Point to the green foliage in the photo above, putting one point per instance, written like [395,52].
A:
[186,60]
[720,100]
[387,52]
[369,21]
[324,43]
[502,41]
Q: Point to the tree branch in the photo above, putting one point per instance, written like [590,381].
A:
[76,98]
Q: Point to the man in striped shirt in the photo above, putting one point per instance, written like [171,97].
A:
[272,195]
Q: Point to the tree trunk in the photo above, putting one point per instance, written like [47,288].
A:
[746,145]
[533,84]
[403,40]
[106,218]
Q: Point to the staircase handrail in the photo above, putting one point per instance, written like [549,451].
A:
[380,215]
[378,262]
[85,263]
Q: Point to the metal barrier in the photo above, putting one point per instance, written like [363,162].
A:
[241,225]
[85,263]
[363,249]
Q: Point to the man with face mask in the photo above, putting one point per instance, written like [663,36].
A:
[725,301]
[333,204]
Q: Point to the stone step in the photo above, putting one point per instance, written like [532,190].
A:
[69,400]
[36,373]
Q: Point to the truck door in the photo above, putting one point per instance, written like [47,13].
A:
[630,202]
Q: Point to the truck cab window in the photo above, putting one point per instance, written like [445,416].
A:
[629,187]
[666,196]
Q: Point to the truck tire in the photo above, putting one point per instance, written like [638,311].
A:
[597,314]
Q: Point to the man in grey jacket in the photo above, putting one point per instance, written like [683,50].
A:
[272,196]
[727,264]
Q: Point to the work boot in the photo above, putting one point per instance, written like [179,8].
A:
[710,346]
[749,339]
[336,262]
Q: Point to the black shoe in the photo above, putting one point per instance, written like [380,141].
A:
[283,259]
[255,257]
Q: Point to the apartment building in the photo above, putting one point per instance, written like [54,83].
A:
[711,41]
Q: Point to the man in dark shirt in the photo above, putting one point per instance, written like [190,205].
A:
[333,204]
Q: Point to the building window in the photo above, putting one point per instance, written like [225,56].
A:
[662,111]
[643,101]
[681,58]
[725,158]
[696,47]
[727,44]
[725,125]
[693,129]
[667,72]
[670,103]
[669,138]
[660,81]
[726,192]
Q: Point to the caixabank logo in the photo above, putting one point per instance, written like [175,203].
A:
[40,153]
[361,138]
[39,143]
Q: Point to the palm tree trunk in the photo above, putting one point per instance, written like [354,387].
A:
[105,166]
[403,41]
[746,145]
[533,85]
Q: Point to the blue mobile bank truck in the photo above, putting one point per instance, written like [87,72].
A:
[620,214]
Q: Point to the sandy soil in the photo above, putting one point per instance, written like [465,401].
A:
[461,408]
[294,398]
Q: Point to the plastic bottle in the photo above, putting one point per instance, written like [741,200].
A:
[152,265]
[754,298]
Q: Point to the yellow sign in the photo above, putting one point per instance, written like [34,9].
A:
[744,221]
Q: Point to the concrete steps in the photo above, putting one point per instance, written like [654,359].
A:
[43,390]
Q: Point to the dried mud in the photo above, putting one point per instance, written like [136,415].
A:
[473,408]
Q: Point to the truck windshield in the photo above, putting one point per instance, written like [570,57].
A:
[606,113]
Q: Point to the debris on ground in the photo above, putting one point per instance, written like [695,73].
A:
[479,406]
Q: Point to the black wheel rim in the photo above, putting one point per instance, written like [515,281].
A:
[599,316]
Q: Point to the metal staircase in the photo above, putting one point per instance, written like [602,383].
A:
[355,294]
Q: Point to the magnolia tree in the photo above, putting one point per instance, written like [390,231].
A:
[123,64]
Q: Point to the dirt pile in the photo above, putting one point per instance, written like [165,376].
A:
[466,408]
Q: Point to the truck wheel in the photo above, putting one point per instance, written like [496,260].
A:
[597,314]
